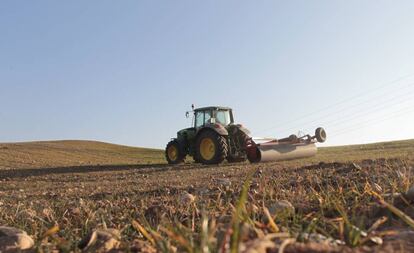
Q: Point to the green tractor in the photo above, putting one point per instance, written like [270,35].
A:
[213,138]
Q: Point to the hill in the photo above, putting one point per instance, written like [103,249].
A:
[45,154]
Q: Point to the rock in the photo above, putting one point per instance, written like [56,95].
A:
[317,248]
[318,238]
[101,240]
[260,245]
[202,191]
[14,239]
[75,211]
[224,182]
[410,194]
[47,212]
[142,246]
[187,198]
[402,239]
[377,240]
[282,208]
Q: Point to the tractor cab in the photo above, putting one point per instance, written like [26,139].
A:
[212,138]
[213,115]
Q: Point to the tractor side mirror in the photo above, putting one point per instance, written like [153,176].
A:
[187,115]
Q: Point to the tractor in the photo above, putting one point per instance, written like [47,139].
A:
[213,138]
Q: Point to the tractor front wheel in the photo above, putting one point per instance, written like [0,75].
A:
[211,148]
[174,153]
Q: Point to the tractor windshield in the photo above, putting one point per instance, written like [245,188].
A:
[223,117]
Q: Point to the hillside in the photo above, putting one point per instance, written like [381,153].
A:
[73,153]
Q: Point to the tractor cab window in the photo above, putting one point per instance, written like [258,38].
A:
[223,117]
[202,118]
[207,117]
[199,120]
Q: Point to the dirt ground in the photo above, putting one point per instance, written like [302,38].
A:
[357,204]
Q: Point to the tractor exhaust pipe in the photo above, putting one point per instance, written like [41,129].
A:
[288,148]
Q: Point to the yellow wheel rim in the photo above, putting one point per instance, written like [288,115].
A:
[172,153]
[207,149]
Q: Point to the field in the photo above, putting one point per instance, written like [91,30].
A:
[93,196]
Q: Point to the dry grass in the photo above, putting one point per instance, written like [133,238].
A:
[343,197]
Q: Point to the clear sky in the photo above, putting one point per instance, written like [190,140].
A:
[126,71]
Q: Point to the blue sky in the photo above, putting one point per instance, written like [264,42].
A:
[126,71]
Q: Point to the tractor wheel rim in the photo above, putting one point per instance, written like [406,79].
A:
[207,149]
[172,153]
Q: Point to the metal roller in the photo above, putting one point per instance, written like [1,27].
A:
[288,148]
[278,152]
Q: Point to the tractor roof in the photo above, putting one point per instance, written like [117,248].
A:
[212,108]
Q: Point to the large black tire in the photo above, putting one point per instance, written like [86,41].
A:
[211,148]
[174,152]
[255,157]
[241,141]
[320,134]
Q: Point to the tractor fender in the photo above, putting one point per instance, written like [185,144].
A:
[233,129]
[243,129]
[219,129]
[185,134]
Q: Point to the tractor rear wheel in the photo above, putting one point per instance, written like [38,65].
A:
[211,148]
[240,141]
[174,152]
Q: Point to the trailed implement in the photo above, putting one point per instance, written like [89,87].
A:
[288,148]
